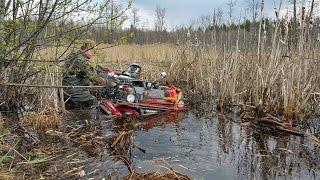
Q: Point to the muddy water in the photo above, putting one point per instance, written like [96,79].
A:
[210,148]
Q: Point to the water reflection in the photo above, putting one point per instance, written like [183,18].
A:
[162,120]
[265,157]
[219,148]
[205,148]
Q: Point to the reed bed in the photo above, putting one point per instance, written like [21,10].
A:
[273,69]
[279,81]
[276,83]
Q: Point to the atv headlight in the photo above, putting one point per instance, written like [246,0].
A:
[131,98]
[149,85]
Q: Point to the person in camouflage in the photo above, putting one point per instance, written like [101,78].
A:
[79,70]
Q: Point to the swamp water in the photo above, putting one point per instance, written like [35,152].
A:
[204,148]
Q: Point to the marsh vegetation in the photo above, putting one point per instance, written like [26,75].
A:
[253,85]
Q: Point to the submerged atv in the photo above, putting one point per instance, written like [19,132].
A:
[129,95]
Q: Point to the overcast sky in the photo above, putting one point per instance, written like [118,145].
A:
[182,12]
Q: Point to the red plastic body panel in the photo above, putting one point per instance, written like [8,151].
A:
[128,111]
[109,106]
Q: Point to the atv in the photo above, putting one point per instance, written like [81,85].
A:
[127,94]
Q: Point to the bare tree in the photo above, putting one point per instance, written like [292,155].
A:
[294,2]
[219,15]
[3,10]
[29,27]
[213,29]
[135,17]
[112,12]
[160,15]
[311,9]
[205,21]
[253,8]
[231,4]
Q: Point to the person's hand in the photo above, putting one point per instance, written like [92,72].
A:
[101,81]
[89,54]
[111,83]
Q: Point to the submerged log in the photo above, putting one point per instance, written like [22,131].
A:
[275,123]
[279,126]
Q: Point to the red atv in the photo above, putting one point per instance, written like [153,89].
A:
[129,95]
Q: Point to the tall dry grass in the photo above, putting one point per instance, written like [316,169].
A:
[277,81]
[285,85]
[270,75]
[153,58]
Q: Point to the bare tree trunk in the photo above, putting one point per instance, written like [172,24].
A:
[63,107]
[260,28]
[294,23]
[2,10]
[311,9]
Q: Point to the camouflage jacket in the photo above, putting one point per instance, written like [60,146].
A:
[78,66]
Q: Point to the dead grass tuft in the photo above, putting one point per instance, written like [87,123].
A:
[44,120]
[6,175]
[169,175]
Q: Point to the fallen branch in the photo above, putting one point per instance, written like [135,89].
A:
[278,124]
[271,121]
[47,86]
[292,132]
